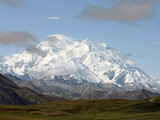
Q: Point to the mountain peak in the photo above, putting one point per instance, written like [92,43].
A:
[88,41]
[86,60]
[57,43]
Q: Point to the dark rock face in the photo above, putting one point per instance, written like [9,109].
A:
[110,74]
[121,78]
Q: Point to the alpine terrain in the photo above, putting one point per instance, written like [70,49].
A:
[65,63]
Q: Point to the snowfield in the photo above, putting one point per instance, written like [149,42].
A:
[87,60]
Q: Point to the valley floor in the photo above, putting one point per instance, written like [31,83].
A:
[84,110]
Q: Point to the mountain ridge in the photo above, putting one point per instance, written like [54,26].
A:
[86,60]
[12,94]
[129,95]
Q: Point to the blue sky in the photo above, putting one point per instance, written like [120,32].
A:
[132,28]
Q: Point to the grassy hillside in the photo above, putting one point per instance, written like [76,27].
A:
[84,110]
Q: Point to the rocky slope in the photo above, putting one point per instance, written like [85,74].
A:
[11,94]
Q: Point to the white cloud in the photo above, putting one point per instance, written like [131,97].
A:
[15,3]
[122,11]
[54,18]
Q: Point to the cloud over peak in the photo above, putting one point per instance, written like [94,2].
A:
[18,38]
[122,11]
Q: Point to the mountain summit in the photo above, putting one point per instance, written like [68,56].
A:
[64,56]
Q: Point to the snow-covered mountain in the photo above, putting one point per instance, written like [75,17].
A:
[87,60]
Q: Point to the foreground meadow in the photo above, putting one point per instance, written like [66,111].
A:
[84,110]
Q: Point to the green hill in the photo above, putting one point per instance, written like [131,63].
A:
[84,110]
